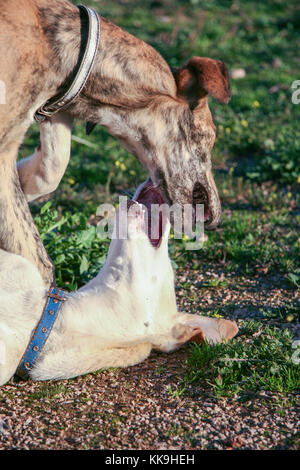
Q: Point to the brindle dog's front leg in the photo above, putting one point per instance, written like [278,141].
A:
[18,234]
[38,174]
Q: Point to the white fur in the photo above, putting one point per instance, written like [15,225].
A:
[115,320]
[41,172]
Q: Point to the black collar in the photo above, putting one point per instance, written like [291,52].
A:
[62,100]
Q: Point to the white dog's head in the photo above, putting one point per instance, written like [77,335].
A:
[144,219]
[140,237]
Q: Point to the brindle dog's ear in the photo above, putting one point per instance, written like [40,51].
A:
[200,77]
[89,127]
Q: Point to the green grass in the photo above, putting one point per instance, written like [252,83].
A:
[48,391]
[256,167]
[73,245]
[249,242]
[246,366]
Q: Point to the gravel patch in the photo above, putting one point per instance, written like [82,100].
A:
[134,409]
[138,407]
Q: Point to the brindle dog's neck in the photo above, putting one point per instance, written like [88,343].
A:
[128,73]
[61,25]
[130,86]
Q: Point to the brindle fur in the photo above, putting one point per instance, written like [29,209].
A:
[161,117]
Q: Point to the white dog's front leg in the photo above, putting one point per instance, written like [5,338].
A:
[199,328]
[41,173]
[187,327]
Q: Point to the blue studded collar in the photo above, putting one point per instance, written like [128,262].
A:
[55,299]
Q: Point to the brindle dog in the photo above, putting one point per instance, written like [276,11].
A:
[160,116]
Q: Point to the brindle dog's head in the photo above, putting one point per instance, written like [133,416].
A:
[188,177]
[173,136]
[161,117]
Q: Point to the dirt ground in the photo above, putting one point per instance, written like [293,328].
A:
[138,407]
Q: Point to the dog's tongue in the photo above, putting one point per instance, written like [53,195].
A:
[148,196]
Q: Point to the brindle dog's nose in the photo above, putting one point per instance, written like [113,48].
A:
[200,196]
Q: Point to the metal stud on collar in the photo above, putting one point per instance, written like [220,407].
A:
[55,299]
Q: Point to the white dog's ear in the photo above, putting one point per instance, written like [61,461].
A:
[217,330]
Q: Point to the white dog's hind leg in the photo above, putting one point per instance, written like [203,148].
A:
[41,173]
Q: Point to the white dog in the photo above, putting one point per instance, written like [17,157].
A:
[118,317]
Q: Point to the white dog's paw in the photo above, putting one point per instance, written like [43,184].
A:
[228,329]
[218,330]
[212,330]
